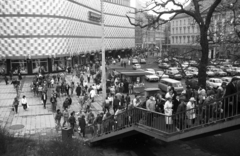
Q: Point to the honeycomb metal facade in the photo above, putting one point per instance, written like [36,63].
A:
[45,27]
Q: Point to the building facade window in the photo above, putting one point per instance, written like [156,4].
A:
[38,64]
[19,65]
[3,66]
[59,64]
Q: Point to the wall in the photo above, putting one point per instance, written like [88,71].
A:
[45,27]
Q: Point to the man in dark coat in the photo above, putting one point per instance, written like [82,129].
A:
[125,87]
[181,113]
[44,99]
[78,90]
[82,125]
[230,102]
[116,102]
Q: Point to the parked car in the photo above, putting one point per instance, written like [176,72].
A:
[218,72]
[161,74]
[189,75]
[134,61]
[136,66]
[214,82]
[142,61]
[163,65]
[210,73]
[230,71]
[194,72]
[193,83]
[150,70]
[237,70]
[193,63]
[164,83]
[226,79]
[152,78]
[174,74]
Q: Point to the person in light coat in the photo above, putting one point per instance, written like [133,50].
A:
[168,112]
[191,113]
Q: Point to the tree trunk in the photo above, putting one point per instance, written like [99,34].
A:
[204,59]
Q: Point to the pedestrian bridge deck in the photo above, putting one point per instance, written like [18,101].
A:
[221,114]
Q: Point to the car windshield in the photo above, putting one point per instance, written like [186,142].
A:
[177,85]
[218,81]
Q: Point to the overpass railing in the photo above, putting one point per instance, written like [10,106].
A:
[200,115]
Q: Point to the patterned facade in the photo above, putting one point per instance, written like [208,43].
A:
[45,29]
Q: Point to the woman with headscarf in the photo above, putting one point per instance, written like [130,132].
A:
[191,113]
[168,112]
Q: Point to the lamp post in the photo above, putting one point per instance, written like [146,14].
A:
[103,53]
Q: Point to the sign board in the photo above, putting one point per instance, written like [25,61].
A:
[92,16]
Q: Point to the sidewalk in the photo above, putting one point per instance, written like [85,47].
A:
[36,121]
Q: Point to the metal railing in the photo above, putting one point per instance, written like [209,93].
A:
[201,115]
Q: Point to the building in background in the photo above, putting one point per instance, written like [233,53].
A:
[148,37]
[185,34]
[55,34]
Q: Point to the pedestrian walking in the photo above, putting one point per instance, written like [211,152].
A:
[78,90]
[15,104]
[65,117]
[72,121]
[58,117]
[88,77]
[24,102]
[44,99]
[53,100]
[72,87]
[82,124]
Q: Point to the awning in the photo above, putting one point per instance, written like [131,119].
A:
[133,73]
[152,89]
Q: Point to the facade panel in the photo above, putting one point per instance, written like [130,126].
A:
[39,29]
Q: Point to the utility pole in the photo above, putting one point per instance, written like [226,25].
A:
[103,54]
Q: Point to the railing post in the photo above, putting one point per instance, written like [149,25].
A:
[237,105]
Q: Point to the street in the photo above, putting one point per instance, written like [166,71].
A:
[225,144]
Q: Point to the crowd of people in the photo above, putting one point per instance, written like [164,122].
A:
[192,106]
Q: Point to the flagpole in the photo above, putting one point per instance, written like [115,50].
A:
[104,94]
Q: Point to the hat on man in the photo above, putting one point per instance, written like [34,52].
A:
[192,99]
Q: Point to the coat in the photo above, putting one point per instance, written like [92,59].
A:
[181,110]
[168,112]
[191,114]
[82,123]
[116,102]
[45,97]
[78,90]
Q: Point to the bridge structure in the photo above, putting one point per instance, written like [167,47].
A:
[221,115]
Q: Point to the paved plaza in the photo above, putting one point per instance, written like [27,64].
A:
[36,120]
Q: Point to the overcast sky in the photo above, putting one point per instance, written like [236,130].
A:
[169,6]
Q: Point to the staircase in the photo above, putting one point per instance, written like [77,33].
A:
[220,115]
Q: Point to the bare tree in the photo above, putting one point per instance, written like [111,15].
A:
[203,21]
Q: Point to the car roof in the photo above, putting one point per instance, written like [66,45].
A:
[214,79]
[170,80]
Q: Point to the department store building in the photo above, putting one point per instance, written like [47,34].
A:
[54,34]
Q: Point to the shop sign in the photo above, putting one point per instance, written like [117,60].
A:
[92,16]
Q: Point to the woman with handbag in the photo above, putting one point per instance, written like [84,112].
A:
[24,102]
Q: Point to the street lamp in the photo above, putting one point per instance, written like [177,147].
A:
[103,54]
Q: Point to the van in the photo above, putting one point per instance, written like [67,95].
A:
[164,83]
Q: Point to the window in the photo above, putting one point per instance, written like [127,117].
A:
[19,65]
[3,66]
[39,64]
[59,64]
